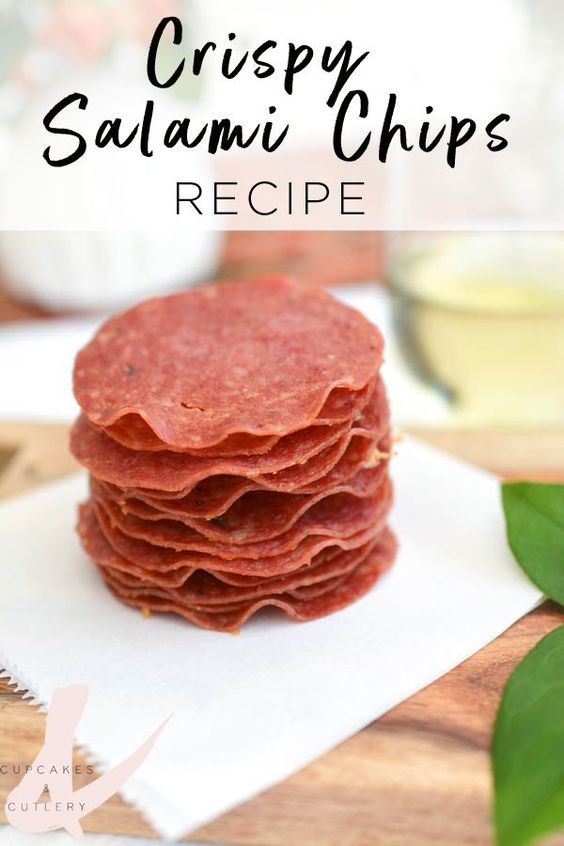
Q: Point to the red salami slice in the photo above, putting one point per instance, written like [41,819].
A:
[213,496]
[209,498]
[151,557]
[197,599]
[313,591]
[230,618]
[258,515]
[238,440]
[258,358]
[205,590]
[180,473]
[97,547]
[339,516]
[342,405]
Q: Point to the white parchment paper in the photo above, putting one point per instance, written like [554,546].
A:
[250,710]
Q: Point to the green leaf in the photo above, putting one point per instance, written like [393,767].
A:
[534,514]
[528,747]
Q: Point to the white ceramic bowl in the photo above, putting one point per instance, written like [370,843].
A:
[88,271]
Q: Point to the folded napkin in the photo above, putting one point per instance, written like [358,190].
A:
[250,710]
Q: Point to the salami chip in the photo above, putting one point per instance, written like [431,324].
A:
[258,358]
[148,556]
[213,496]
[287,466]
[258,515]
[230,618]
[201,588]
[337,517]
[328,564]
[238,443]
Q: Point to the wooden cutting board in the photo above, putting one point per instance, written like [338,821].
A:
[419,776]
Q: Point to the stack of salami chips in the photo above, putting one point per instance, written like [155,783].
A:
[237,439]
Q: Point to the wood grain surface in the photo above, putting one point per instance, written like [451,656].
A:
[419,776]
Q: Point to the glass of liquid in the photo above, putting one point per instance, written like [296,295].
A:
[480,317]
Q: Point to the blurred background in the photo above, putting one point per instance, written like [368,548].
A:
[473,322]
